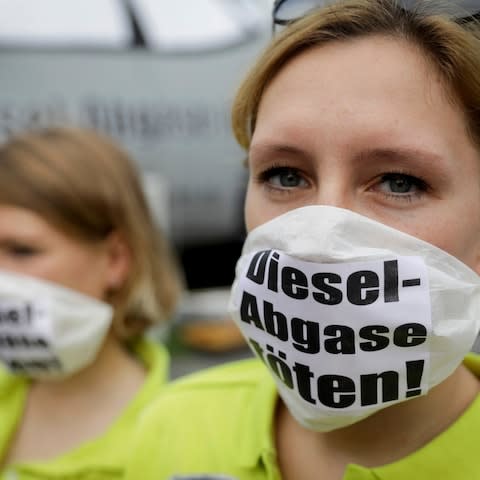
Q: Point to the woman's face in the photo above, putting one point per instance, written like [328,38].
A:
[367,126]
[31,246]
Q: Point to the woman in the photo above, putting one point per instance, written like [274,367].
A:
[358,286]
[83,273]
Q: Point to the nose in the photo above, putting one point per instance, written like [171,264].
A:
[334,192]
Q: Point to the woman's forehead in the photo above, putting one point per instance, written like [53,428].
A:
[328,95]
[355,77]
[369,60]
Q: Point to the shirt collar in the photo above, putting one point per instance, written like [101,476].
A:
[451,455]
[258,433]
[445,453]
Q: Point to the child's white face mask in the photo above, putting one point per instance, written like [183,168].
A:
[48,331]
[349,315]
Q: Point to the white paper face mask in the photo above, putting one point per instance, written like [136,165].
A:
[48,331]
[349,315]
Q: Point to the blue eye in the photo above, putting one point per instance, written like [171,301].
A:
[283,177]
[401,184]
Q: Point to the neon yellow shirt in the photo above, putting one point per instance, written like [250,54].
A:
[218,425]
[99,459]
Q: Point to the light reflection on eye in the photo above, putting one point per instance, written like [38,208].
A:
[401,184]
[283,177]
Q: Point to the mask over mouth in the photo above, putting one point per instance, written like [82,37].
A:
[48,331]
[349,315]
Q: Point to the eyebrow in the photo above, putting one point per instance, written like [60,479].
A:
[394,154]
[8,240]
[276,149]
[401,154]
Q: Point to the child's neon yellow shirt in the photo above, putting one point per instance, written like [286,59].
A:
[217,425]
[102,458]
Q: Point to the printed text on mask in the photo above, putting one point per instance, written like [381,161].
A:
[314,337]
[18,334]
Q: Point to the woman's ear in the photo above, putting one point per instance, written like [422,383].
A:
[119,257]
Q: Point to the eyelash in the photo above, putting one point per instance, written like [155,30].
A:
[416,181]
[265,177]
[20,250]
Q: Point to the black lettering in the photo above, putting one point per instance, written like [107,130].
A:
[343,341]
[15,365]
[328,295]
[16,316]
[14,341]
[249,310]
[34,364]
[369,387]
[257,348]
[280,369]
[7,341]
[9,316]
[305,335]
[362,287]
[390,275]
[336,391]
[29,313]
[376,341]
[256,270]
[304,375]
[41,342]
[409,335]
[294,283]
[275,322]
[273,272]
[414,377]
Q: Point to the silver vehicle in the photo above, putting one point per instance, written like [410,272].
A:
[159,77]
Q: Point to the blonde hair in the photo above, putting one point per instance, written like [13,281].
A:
[452,49]
[86,186]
